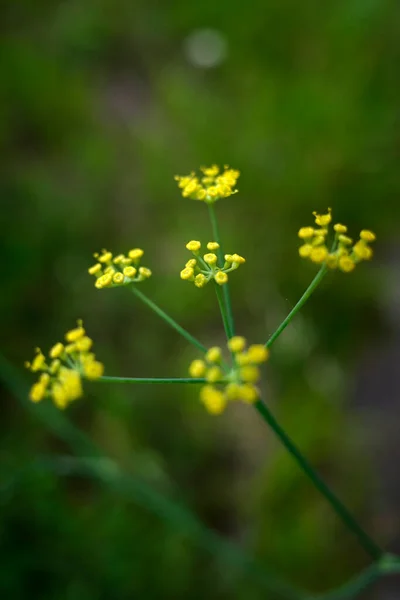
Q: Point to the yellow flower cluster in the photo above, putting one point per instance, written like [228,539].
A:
[201,269]
[112,271]
[211,186]
[236,383]
[345,254]
[60,378]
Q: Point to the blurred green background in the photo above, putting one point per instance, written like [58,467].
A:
[101,104]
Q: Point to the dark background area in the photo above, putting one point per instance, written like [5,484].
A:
[101,104]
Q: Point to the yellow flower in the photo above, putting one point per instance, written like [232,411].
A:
[95,269]
[212,246]
[346,264]
[319,254]
[129,272]
[249,374]
[38,391]
[362,251]
[93,369]
[305,250]
[221,278]
[258,353]
[214,354]
[187,273]
[214,400]
[56,350]
[200,280]
[135,254]
[211,186]
[75,334]
[119,271]
[210,259]
[201,271]
[214,374]
[234,383]
[197,368]
[193,246]
[61,379]
[306,232]
[339,228]
[323,220]
[237,343]
[367,236]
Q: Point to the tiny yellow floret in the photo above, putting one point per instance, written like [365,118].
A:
[210,259]
[187,273]
[213,374]
[214,400]
[346,264]
[367,235]
[129,272]
[323,220]
[93,369]
[236,343]
[118,278]
[305,250]
[197,368]
[339,228]
[135,253]
[258,353]
[95,269]
[214,354]
[75,334]
[212,246]
[200,280]
[306,232]
[221,278]
[56,350]
[319,254]
[193,246]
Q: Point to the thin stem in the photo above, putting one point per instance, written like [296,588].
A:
[168,319]
[354,586]
[225,288]
[368,543]
[315,282]
[222,308]
[109,379]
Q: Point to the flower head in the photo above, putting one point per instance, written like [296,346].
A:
[202,269]
[237,382]
[61,377]
[344,255]
[211,185]
[113,271]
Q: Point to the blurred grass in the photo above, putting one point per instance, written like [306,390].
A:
[100,108]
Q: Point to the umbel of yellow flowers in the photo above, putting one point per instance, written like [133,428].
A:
[211,185]
[344,254]
[237,382]
[61,374]
[113,271]
[201,269]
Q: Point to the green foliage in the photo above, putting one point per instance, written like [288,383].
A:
[100,108]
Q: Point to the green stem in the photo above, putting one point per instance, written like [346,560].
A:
[168,319]
[221,259]
[315,282]
[223,310]
[109,379]
[368,543]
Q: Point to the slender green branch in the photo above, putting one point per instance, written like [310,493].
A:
[109,379]
[368,543]
[223,310]
[315,282]
[225,288]
[168,319]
